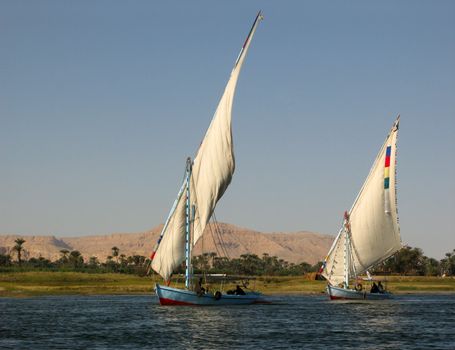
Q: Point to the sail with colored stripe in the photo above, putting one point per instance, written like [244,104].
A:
[212,171]
[373,219]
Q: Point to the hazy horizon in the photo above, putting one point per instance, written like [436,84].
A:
[102,101]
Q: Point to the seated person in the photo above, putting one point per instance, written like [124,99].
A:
[380,287]
[239,291]
[198,288]
[374,288]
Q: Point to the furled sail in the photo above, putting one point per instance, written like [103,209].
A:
[212,172]
[373,218]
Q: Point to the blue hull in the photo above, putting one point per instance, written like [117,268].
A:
[175,296]
[336,293]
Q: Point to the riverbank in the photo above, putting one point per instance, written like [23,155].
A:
[27,284]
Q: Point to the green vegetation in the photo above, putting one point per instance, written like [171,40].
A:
[408,261]
[74,261]
[418,284]
[18,249]
[395,284]
[119,274]
[39,283]
[411,261]
[250,265]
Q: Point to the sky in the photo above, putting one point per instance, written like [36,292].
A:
[102,101]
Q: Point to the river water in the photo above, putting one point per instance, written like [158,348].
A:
[295,322]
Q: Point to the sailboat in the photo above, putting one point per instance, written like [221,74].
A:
[370,232]
[206,179]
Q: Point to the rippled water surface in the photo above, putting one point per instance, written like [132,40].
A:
[313,322]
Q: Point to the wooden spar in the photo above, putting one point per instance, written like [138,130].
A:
[253,28]
[347,252]
[188,269]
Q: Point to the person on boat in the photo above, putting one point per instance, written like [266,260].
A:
[380,288]
[199,289]
[374,288]
[239,291]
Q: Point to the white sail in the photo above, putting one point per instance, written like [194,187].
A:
[169,252]
[212,172]
[334,263]
[375,233]
[373,218]
[214,163]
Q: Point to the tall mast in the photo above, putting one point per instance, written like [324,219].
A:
[188,268]
[347,249]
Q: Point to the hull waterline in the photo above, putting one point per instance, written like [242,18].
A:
[336,293]
[175,296]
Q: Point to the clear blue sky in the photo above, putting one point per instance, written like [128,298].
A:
[102,101]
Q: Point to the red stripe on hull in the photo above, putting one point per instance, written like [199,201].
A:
[165,301]
[332,297]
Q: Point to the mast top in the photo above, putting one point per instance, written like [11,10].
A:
[260,15]
[397,123]
[258,18]
[189,163]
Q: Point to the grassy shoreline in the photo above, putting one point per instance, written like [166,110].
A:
[28,284]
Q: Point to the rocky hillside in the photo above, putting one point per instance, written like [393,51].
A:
[293,247]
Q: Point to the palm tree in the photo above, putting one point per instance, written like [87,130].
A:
[93,261]
[130,260]
[138,260]
[64,253]
[110,264]
[76,258]
[18,248]
[115,252]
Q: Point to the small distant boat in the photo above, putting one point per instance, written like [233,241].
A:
[370,233]
[206,180]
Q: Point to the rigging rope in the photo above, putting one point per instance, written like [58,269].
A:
[214,241]
[219,236]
